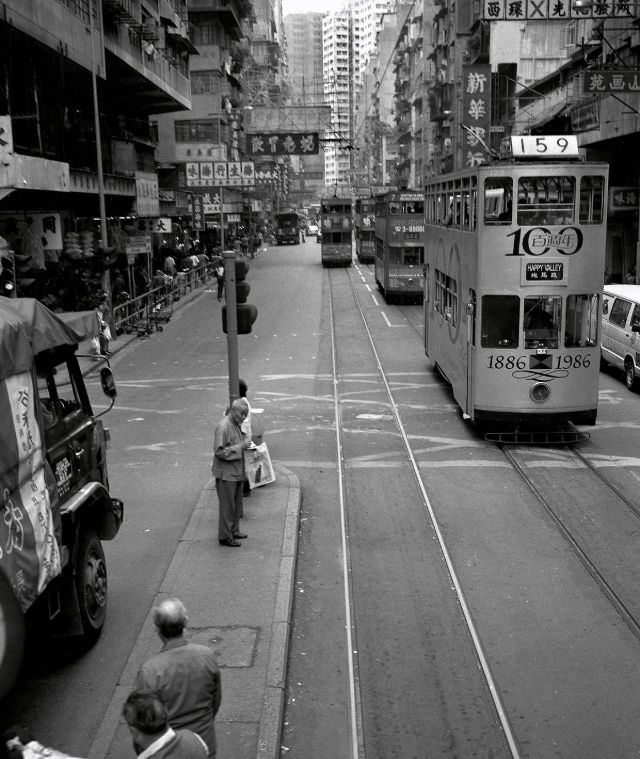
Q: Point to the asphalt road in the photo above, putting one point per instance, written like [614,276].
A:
[410,666]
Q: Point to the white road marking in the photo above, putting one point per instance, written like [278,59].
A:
[384,316]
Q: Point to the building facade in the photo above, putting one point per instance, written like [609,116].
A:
[78,168]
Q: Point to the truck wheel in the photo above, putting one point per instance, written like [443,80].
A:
[91,585]
[12,636]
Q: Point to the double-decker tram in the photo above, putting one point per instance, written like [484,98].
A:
[513,282]
[336,226]
[399,254]
[365,230]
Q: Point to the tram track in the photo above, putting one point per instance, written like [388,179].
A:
[430,519]
[600,559]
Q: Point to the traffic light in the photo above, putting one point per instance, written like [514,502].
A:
[246,313]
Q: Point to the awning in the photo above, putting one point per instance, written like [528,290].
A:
[548,115]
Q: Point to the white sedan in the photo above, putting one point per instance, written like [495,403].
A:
[312,229]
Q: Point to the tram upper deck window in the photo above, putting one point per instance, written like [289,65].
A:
[546,200]
[542,321]
[592,200]
[500,319]
[498,200]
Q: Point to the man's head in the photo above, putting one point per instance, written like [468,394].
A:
[239,410]
[170,618]
[146,717]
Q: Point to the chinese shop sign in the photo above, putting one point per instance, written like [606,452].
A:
[611,81]
[282,143]
[476,111]
[555,10]
[220,174]
[623,198]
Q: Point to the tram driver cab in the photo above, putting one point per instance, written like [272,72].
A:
[541,324]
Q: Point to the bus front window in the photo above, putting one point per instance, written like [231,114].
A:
[542,320]
[500,317]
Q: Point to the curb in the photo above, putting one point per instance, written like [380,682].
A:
[269,734]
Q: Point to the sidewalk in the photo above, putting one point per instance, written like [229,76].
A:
[239,602]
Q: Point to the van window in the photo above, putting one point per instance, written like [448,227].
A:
[635,317]
[619,312]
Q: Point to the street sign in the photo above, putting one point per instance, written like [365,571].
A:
[556,10]
[220,174]
[603,82]
[282,143]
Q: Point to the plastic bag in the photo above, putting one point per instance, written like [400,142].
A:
[258,467]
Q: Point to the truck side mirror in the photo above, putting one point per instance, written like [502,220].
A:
[108,382]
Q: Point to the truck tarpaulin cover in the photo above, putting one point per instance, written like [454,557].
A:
[29,554]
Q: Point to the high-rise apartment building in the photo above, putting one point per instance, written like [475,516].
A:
[337,72]
[303,33]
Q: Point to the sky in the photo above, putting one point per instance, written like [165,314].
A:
[308,6]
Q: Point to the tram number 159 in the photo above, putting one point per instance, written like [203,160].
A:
[566,361]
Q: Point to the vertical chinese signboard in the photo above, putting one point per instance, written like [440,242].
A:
[476,112]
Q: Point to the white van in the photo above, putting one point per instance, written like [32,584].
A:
[621,330]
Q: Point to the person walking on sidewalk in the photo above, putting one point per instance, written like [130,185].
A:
[229,445]
[148,724]
[185,675]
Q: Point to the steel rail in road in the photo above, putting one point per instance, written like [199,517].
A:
[572,540]
[475,638]
[355,710]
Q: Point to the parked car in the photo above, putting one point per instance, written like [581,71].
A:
[621,330]
[312,229]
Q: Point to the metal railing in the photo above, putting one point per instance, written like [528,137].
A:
[148,311]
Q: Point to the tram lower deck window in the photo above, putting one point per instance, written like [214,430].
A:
[542,321]
[500,320]
[582,323]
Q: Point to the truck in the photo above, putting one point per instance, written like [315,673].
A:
[287,228]
[55,503]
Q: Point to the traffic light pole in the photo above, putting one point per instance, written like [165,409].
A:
[229,257]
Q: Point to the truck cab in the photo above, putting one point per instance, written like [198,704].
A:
[55,492]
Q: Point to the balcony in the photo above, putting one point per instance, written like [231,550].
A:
[231,13]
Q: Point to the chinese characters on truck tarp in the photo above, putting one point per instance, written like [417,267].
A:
[29,553]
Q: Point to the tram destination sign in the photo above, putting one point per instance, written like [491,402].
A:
[544,146]
[557,10]
[549,271]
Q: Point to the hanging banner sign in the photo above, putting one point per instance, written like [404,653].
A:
[197,211]
[282,143]
[611,81]
[476,111]
[555,10]
[220,174]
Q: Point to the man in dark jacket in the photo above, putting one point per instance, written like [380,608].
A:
[146,717]
[185,675]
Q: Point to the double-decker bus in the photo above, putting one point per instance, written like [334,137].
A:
[365,230]
[514,276]
[336,228]
[399,254]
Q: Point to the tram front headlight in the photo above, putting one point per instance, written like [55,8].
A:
[540,392]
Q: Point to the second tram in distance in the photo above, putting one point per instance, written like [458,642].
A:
[365,230]
[514,276]
[336,226]
[400,245]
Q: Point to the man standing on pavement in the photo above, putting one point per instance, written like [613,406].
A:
[146,717]
[185,675]
[229,444]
